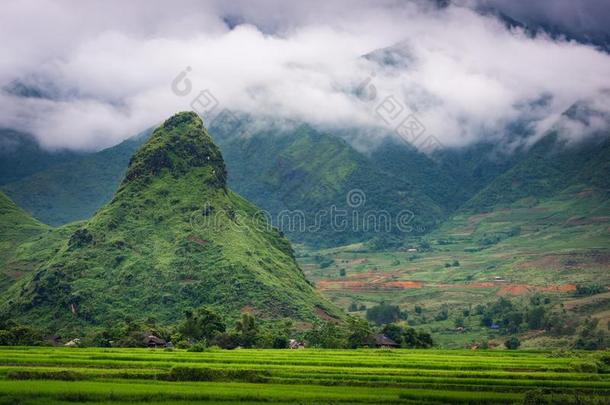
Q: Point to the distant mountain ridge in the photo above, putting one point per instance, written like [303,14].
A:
[296,169]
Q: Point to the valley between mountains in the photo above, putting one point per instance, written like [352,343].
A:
[496,246]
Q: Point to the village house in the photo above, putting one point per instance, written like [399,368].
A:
[384,342]
[154,342]
[73,343]
[295,344]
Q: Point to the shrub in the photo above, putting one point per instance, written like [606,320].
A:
[383,314]
[512,343]
[592,289]
[201,324]
[413,339]
[226,340]
[394,332]
[21,336]
[585,367]
[326,335]
[590,337]
[192,374]
[180,373]
[198,347]
[280,342]
[535,397]
[64,375]
[359,333]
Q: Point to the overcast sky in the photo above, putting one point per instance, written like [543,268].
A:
[103,71]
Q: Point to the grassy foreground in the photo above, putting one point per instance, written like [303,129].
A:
[69,375]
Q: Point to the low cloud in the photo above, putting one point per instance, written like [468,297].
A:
[87,75]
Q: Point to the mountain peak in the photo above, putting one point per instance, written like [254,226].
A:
[179,145]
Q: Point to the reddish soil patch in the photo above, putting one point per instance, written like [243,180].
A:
[521,289]
[562,288]
[322,314]
[355,285]
[515,289]
[484,284]
[404,284]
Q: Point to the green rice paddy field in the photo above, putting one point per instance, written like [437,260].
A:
[72,375]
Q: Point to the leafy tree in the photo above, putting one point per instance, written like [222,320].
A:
[591,289]
[413,339]
[561,323]
[535,317]
[487,320]
[512,321]
[103,338]
[353,307]
[272,334]
[280,342]
[326,335]
[512,343]
[324,261]
[226,340]
[443,314]
[247,329]
[383,314]
[21,336]
[359,333]
[590,338]
[203,324]
[393,331]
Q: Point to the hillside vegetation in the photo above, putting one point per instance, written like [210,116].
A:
[173,237]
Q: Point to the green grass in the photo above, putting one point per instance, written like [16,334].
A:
[34,375]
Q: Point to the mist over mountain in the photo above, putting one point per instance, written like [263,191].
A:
[460,70]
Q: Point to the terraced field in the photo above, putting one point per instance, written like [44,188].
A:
[70,375]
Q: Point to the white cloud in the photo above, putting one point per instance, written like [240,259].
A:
[111,65]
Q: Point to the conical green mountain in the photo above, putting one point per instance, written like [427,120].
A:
[172,238]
